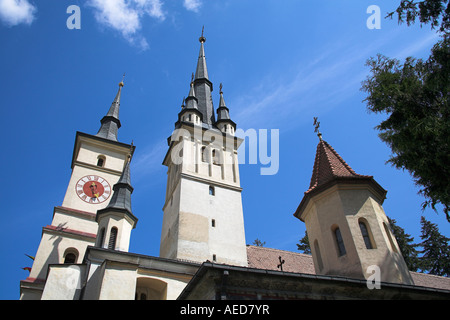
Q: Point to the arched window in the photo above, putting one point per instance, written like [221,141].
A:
[365,232]
[216,157]
[212,192]
[70,256]
[112,239]
[101,161]
[339,242]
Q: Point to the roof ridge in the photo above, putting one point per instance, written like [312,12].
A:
[274,249]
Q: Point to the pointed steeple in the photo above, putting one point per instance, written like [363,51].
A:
[202,71]
[191,102]
[222,112]
[122,190]
[203,86]
[223,116]
[330,169]
[110,123]
[329,165]
[117,215]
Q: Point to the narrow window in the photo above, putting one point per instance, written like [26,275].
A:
[211,191]
[216,157]
[214,258]
[101,161]
[112,239]
[189,118]
[213,223]
[339,242]
[365,234]
[204,158]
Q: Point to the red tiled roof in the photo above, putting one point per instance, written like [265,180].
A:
[268,259]
[329,165]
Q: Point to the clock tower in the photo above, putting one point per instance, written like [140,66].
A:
[98,162]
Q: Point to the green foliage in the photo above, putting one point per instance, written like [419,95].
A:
[415,97]
[436,252]
[407,247]
[258,243]
[303,244]
[433,12]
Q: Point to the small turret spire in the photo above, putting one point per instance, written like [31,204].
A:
[223,116]
[191,101]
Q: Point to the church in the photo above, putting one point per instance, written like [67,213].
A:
[84,252]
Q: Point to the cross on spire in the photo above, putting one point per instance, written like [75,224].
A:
[280,266]
[202,39]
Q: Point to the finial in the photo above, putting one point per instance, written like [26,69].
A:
[192,77]
[316,128]
[220,87]
[121,84]
[202,39]
[131,152]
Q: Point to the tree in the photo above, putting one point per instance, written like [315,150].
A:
[434,12]
[415,97]
[407,247]
[436,253]
[258,243]
[303,244]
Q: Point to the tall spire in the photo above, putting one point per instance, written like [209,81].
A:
[203,86]
[202,70]
[110,122]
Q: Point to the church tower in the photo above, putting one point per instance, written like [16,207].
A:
[347,228]
[98,162]
[203,215]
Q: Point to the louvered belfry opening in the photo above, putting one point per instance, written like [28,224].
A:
[112,239]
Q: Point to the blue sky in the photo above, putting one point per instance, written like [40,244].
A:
[281,64]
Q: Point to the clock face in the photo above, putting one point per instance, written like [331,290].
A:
[93,189]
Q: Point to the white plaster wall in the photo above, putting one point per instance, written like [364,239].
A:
[51,251]
[74,222]
[119,283]
[198,239]
[63,282]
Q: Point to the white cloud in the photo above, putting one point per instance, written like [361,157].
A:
[14,12]
[126,16]
[192,5]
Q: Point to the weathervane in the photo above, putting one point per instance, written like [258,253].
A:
[121,82]
[316,128]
